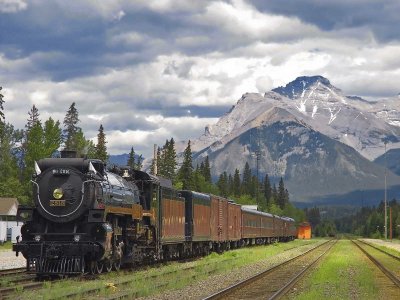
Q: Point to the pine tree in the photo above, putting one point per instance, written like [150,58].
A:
[101,148]
[230,184]
[246,183]
[281,201]
[267,190]
[33,118]
[236,184]
[169,160]
[274,195]
[139,163]
[222,184]
[131,159]
[207,170]
[186,170]
[71,129]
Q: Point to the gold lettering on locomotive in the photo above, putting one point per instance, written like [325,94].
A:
[57,202]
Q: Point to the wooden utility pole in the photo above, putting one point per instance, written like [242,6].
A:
[390,220]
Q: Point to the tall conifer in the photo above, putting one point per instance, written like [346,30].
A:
[101,148]
[186,170]
[70,128]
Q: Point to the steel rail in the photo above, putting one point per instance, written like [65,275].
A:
[388,273]
[243,283]
[296,278]
[383,251]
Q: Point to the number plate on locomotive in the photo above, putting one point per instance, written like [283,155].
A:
[61,171]
[57,202]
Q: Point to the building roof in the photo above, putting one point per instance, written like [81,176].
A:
[6,204]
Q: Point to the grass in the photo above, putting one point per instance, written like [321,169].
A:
[6,246]
[386,249]
[172,276]
[343,274]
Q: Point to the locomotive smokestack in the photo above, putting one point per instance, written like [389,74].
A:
[69,154]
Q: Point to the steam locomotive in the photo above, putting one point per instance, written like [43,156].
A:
[88,219]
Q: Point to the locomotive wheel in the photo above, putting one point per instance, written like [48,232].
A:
[108,265]
[96,267]
[117,264]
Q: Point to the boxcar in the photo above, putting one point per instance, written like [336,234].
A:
[172,217]
[198,214]
[219,222]
[235,223]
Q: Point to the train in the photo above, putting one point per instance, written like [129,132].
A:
[87,219]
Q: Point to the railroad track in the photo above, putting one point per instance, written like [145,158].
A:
[276,281]
[7,272]
[386,262]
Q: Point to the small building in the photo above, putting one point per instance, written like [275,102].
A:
[9,227]
[304,231]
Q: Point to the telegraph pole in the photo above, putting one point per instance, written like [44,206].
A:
[385,195]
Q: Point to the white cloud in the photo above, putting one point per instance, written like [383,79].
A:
[12,6]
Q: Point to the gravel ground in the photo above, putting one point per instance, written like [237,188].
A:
[215,283]
[393,245]
[8,260]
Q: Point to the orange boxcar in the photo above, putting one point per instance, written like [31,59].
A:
[173,217]
[219,219]
[235,221]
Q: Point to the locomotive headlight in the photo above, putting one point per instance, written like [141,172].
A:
[37,238]
[77,238]
[58,193]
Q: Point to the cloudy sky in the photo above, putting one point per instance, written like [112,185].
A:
[151,70]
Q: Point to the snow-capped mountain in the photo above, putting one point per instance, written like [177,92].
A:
[353,121]
[322,141]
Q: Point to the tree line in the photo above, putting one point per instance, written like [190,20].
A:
[245,189]
[20,148]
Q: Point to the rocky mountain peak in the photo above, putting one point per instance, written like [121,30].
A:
[296,88]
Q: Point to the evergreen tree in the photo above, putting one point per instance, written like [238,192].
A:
[186,170]
[131,160]
[281,200]
[207,170]
[169,158]
[267,190]
[230,184]
[247,180]
[236,183]
[101,148]
[33,118]
[222,184]
[71,129]
[274,195]
[139,163]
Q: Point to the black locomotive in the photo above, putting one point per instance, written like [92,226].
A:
[87,219]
